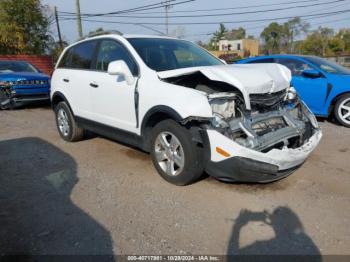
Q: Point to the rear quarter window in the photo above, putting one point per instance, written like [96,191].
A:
[64,62]
[79,56]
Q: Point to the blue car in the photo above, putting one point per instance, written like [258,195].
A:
[323,85]
[22,83]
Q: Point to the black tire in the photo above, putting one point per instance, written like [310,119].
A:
[75,132]
[338,111]
[193,163]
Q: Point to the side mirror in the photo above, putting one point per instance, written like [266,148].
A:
[311,73]
[119,67]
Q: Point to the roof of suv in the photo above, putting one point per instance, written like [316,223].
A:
[117,33]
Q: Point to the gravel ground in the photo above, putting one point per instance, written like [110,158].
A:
[100,197]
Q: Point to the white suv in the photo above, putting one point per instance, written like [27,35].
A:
[190,110]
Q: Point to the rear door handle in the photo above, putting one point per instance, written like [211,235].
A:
[94,85]
[66,80]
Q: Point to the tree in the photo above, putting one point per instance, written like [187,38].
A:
[272,36]
[317,43]
[218,35]
[236,34]
[311,45]
[292,29]
[344,35]
[24,27]
[325,34]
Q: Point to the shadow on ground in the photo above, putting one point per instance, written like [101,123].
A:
[37,216]
[289,236]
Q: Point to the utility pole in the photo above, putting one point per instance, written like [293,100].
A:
[167,7]
[58,29]
[80,27]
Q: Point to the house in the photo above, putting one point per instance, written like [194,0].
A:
[242,47]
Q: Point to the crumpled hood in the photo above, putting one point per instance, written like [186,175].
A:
[248,78]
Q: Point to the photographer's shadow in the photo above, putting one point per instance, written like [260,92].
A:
[37,215]
[290,237]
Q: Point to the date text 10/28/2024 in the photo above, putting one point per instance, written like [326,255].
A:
[173,258]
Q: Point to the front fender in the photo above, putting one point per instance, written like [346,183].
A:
[184,101]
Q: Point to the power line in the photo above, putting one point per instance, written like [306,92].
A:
[232,8]
[218,22]
[142,8]
[133,10]
[121,11]
[228,14]
[262,26]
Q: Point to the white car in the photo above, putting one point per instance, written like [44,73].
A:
[191,111]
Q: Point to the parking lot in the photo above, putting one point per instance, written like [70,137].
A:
[98,196]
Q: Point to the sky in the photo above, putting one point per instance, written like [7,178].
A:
[239,12]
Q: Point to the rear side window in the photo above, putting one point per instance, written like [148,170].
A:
[110,51]
[262,61]
[81,55]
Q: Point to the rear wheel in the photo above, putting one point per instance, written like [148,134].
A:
[66,124]
[175,156]
[342,110]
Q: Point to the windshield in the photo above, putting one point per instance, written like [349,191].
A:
[166,54]
[328,66]
[15,66]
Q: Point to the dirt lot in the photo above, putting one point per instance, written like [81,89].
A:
[100,197]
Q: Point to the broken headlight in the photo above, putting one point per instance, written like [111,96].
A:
[291,94]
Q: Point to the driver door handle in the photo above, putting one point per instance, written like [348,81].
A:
[94,85]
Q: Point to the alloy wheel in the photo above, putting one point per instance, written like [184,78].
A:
[344,111]
[169,153]
[63,122]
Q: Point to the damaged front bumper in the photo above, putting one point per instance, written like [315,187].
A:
[247,165]
[19,96]
[258,156]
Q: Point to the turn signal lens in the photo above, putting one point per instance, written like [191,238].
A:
[222,152]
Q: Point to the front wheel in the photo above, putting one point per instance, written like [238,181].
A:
[342,110]
[66,124]
[175,156]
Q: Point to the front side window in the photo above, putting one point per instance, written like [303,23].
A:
[15,66]
[295,66]
[328,66]
[82,54]
[167,54]
[110,51]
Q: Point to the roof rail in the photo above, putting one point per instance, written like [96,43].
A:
[109,32]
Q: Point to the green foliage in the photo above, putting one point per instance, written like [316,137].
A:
[24,27]
[317,43]
[344,36]
[235,34]
[292,29]
[217,36]
[281,37]
[273,37]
